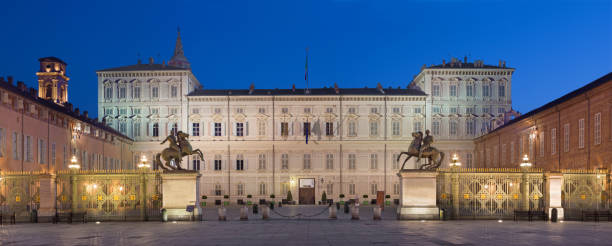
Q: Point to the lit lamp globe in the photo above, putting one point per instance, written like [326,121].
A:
[525,163]
[74,165]
[143,163]
[455,161]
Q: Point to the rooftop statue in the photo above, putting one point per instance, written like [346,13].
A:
[173,155]
[421,148]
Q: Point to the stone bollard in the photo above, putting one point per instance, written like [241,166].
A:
[244,213]
[355,212]
[265,212]
[222,212]
[332,212]
[377,213]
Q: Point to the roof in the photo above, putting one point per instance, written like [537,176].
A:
[143,67]
[59,108]
[467,65]
[605,79]
[313,92]
[51,58]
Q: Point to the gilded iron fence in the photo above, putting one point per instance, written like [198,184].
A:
[585,190]
[19,194]
[490,193]
[110,195]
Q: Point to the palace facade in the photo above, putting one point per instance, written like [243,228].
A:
[308,141]
[41,130]
[571,132]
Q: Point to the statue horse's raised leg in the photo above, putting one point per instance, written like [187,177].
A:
[403,164]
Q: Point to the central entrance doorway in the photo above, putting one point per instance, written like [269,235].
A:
[307,191]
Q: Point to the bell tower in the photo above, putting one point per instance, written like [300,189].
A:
[52,80]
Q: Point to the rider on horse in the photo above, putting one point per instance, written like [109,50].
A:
[427,141]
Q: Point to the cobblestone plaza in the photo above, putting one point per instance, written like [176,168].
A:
[309,231]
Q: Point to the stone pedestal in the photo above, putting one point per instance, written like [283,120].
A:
[180,189]
[554,183]
[46,210]
[417,195]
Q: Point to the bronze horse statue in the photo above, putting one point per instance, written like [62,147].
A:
[433,155]
[179,147]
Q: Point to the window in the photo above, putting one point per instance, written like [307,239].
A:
[217,110]
[501,110]
[108,93]
[239,163]
[53,159]
[173,91]
[416,126]
[218,162]
[374,110]
[306,129]
[469,110]
[123,111]
[352,129]
[397,110]
[373,188]
[329,161]
[417,110]
[468,159]
[196,163]
[2,142]
[471,127]
[136,129]
[502,90]
[307,110]
[174,128]
[351,189]
[218,191]
[155,92]
[566,137]
[122,93]
[396,188]
[329,188]
[485,91]
[195,110]
[373,128]
[453,110]
[329,128]
[262,110]
[156,130]
[240,189]
[553,141]
[597,128]
[239,129]
[285,110]
[122,127]
[15,144]
[154,111]
[195,129]
[469,90]
[542,144]
[452,129]
[435,90]
[217,129]
[262,161]
[352,110]
[65,157]
[285,161]
[261,127]
[395,161]
[453,90]
[352,161]
[136,92]
[108,111]
[28,146]
[262,189]
[581,133]
[329,110]
[284,129]
[435,128]
[395,128]
[136,111]
[437,110]
[306,161]
[42,147]
[284,188]
[373,161]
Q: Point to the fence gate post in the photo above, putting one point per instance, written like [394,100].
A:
[73,187]
[553,197]
[47,195]
[143,196]
[525,190]
[455,191]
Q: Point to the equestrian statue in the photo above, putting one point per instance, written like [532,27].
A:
[421,148]
[179,147]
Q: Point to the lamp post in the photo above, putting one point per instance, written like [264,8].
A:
[455,162]
[455,165]
[525,167]
[143,163]
[74,165]
[525,163]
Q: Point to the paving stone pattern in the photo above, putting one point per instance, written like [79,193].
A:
[309,231]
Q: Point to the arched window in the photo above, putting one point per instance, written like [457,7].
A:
[174,128]
[155,130]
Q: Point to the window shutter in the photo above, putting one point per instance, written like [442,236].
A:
[223,129]
[234,129]
[211,129]
[246,130]
[291,125]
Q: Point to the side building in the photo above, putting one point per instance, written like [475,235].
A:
[41,130]
[571,132]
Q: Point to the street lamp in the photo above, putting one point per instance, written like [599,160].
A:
[74,165]
[143,162]
[525,162]
[455,161]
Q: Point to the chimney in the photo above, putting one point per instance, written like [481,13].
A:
[336,88]
[139,61]
[150,60]
[68,106]
[164,63]
[86,114]
[293,88]
[77,111]
[33,92]
[500,63]
[10,79]
[423,67]
[465,59]
[21,86]
[443,63]
[251,88]
[504,64]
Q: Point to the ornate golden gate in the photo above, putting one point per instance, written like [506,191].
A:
[111,195]
[19,194]
[584,190]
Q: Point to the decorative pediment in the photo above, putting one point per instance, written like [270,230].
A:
[488,115]
[136,116]
[352,116]
[108,117]
[374,116]
[455,79]
[470,115]
[262,116]
[307,117]
[122,117]
[172,116]
[195,117]
[419,115]
[153,116]
[454,115]
[329,116]
[438,115]
[396,116]
[153,80]
[217,117]
[239,117]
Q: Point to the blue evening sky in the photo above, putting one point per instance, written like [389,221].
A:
[556,46]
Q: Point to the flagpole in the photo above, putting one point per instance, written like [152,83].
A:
[307,77]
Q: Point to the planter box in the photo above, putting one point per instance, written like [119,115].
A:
[226,203]
[249,203]
[341,202]
[366,202]
[388,203]
[203,204]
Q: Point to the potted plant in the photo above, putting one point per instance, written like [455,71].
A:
[272,201]
[365,200]
[324,198]
[387,201]
[249,196]
[289,197]
[203,203]
[226,201]
[341,199]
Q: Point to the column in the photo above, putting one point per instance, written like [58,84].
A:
[47,195]
[553,188]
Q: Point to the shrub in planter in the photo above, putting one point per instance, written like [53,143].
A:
[249,196]
[289,196]
[203,203]
[365,200]
[324,197]
[387,201]
[226,203]
[272,196]
[341,199]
